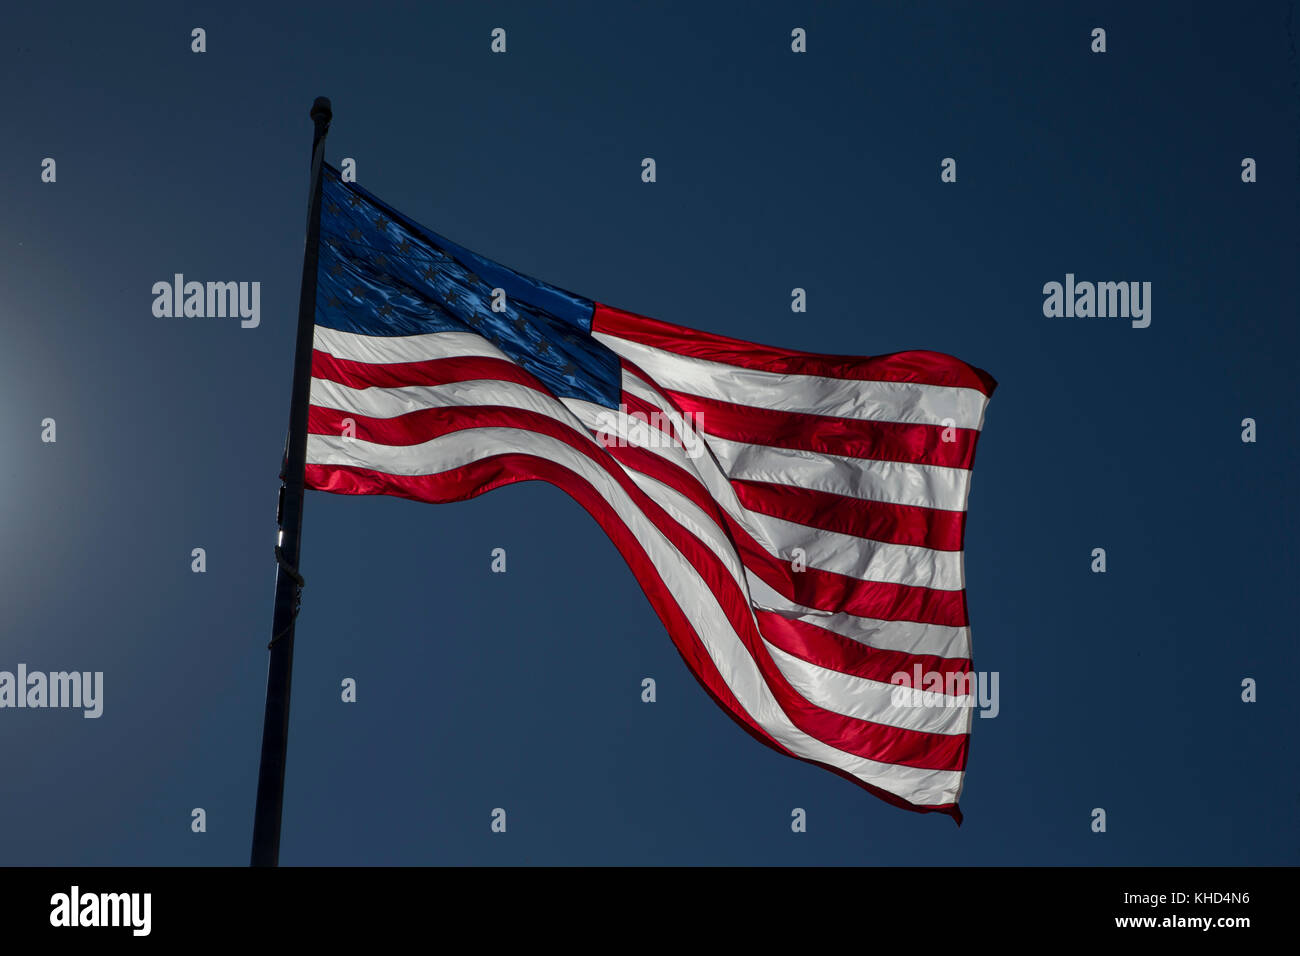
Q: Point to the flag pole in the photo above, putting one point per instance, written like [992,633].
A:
[288,582]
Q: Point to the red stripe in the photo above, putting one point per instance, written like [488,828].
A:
[851,437]
[482,476]
[829,591]
[877,520]
[863,738]
[426,424]
[922,367]
[428,372]
[825,648]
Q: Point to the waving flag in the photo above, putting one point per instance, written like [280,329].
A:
[795,520]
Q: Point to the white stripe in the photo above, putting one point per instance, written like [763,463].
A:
[887,704]
[688,589]
[386,349]
[375,402]
[896,482]
[906,402]
[864,559]
[908,637]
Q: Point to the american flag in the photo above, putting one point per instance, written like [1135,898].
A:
[796,520]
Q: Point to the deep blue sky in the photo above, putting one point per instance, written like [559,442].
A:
[775,170]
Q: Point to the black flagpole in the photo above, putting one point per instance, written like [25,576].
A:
[288,582]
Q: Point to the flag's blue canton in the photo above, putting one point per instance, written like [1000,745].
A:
[382,274]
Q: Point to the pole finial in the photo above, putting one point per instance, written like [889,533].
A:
[321,111]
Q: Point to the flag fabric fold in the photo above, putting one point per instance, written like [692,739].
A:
[796,520]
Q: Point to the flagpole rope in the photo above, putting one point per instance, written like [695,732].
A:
[299,582]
